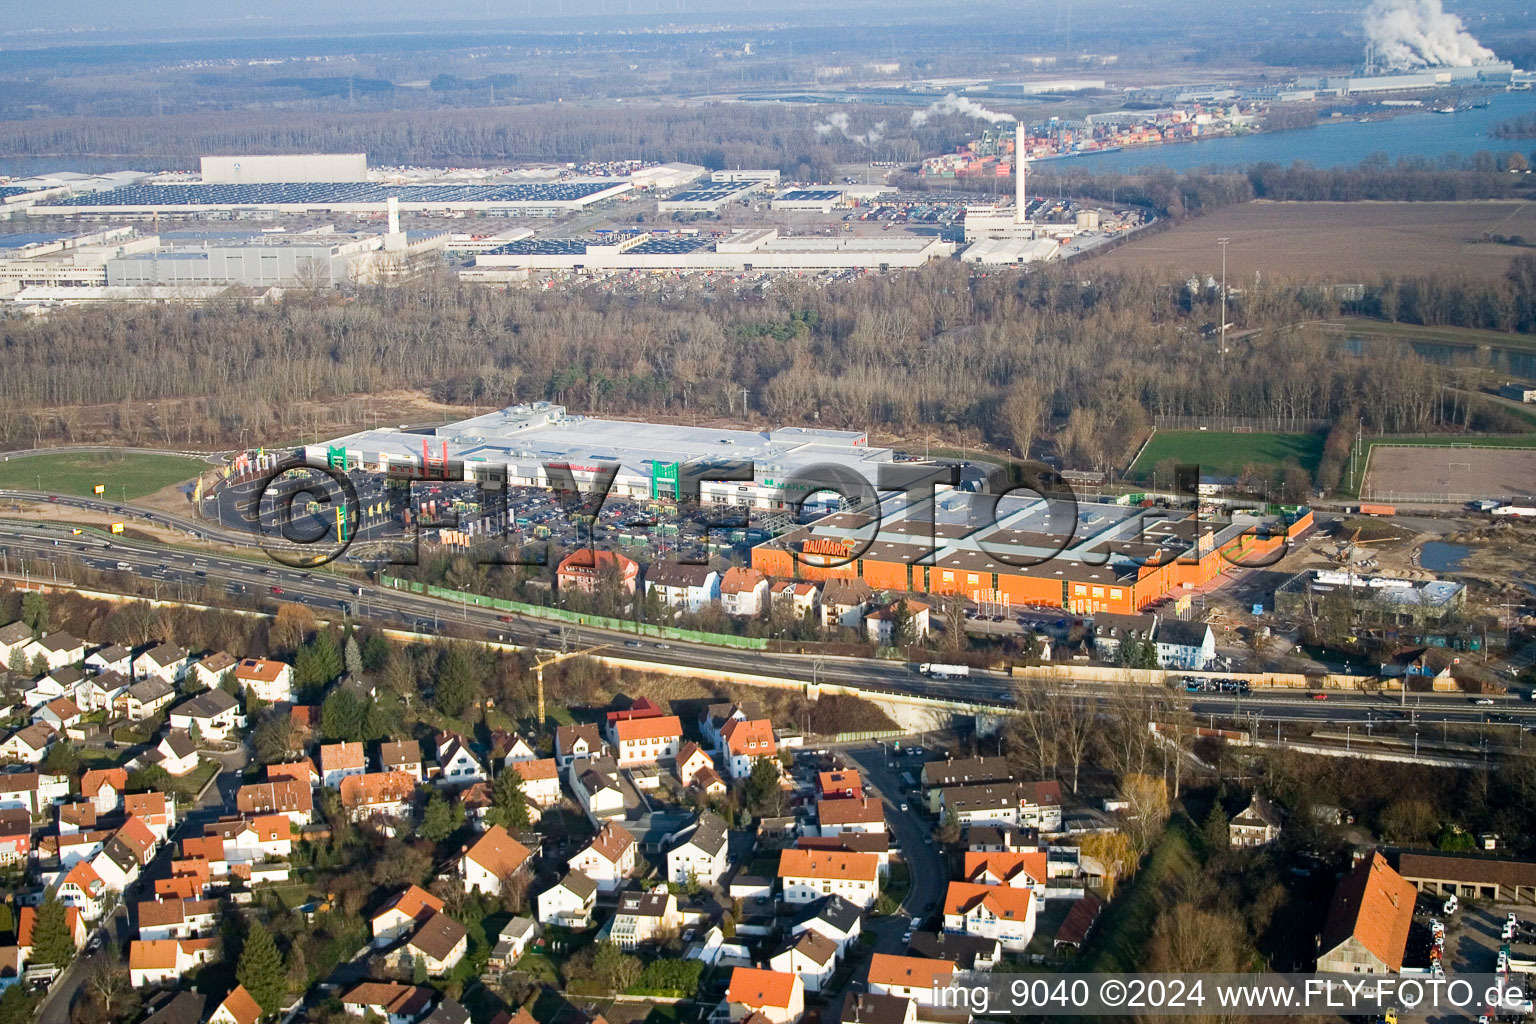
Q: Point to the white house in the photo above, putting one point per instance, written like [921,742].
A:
[164,661]
[494,856]
[801,596]
[691,760]
[909,977]
[155,962]
[743,591]
[833,918]
[438,942]
[689,587]
[512,942]
[268,681]
[82,888]
[743,741]
[114,658]
[457,766]
[700,852]
[176,753]
[29,743]
[775,997]
[377,795]
[643,917]
[145,699]
[239,1007]
[541,780]
[569,902]
[254,838]
[400,916]
[104,787]
[999,912]
[56,650]
[647,740]
[388,1001]
[210,715]
[609,858]
[519,750]
[578,741]
[339,760]
[839,815]
[596,790]
[14,637]
[806,875]
[101,692]
[61,713]
[809,955]
[401,756]
[880,624]
[1181,644]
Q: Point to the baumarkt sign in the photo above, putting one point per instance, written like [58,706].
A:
[826,546]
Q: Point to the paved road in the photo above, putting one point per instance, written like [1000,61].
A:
[925,863]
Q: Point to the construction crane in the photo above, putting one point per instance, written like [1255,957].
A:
[554,659]
[1346,552]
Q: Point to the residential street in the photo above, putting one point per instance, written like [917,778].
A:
[909,830]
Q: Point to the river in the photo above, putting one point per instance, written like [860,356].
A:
[1339,143]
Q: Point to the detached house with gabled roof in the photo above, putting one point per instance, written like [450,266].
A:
[239,1007]
[293,799]
[585,569]
[145,699]
[776,997]
[82,888]
[991,912]
[29,744]
[691,760]
[338,760]
[810,874]
[166,661]
[268,681]
[577,741]
[56,649]
[208,672]
[210,715]
[836,816]
[1366,931]
[101,692]
[112,658]
[569,902]
[457,766]
[404,911]
[104,787]
[401,756]
[647,740]
[743,591]
[61,714]
[494,856]
[541,780]
[377,795]
[909,977]
[14,637]
[809,956]
[609,858]
[700,852]
[743,742]
[1258,824]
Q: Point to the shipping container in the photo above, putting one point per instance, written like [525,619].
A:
[1376,510]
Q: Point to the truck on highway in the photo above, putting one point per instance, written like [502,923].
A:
[933,670]
[1375,510]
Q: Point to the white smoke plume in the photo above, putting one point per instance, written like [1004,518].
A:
[839,123]
[953,104]
[1419,33]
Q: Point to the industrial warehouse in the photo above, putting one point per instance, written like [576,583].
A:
[751,249]
[518,445]
[1025,551]
[1030,551]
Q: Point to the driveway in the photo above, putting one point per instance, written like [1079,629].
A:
[926,864]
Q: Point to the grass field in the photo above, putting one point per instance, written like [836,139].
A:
[1224,453]
[126,476]
[1342,241]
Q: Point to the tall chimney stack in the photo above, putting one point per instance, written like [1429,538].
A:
[394,215]
[1019,172]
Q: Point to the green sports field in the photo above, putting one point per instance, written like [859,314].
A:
[126,476]
[1225,454]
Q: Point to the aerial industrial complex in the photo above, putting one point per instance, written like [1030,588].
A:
[1026,551]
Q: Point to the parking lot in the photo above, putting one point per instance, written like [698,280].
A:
[1473,939]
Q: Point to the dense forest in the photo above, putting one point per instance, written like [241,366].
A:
[1001,359]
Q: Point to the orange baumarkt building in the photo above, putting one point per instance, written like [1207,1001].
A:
[1083,558]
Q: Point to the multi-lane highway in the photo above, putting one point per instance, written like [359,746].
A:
[188,575]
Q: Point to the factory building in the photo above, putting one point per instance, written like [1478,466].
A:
[1027,551]
[751,249]
[993,252]
[517,445]
[1492,73]
[266,260]
[826,198]
[710,197]
[766,176]
[1372,599]
[673,175]
[360,197]
[53,261]
[255,170]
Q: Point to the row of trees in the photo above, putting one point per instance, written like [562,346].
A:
[1000,359]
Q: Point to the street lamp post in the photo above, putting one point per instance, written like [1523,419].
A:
[1223,243]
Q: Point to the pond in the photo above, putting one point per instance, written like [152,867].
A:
[1438,556]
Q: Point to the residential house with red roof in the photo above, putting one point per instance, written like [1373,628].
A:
[647,740]
[775,996]
[1366,930]
[743,742]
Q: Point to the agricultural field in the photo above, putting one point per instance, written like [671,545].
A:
[125,475]
[1224,453]
[1339,241]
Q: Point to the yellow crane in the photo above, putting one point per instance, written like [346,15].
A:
[554,659]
